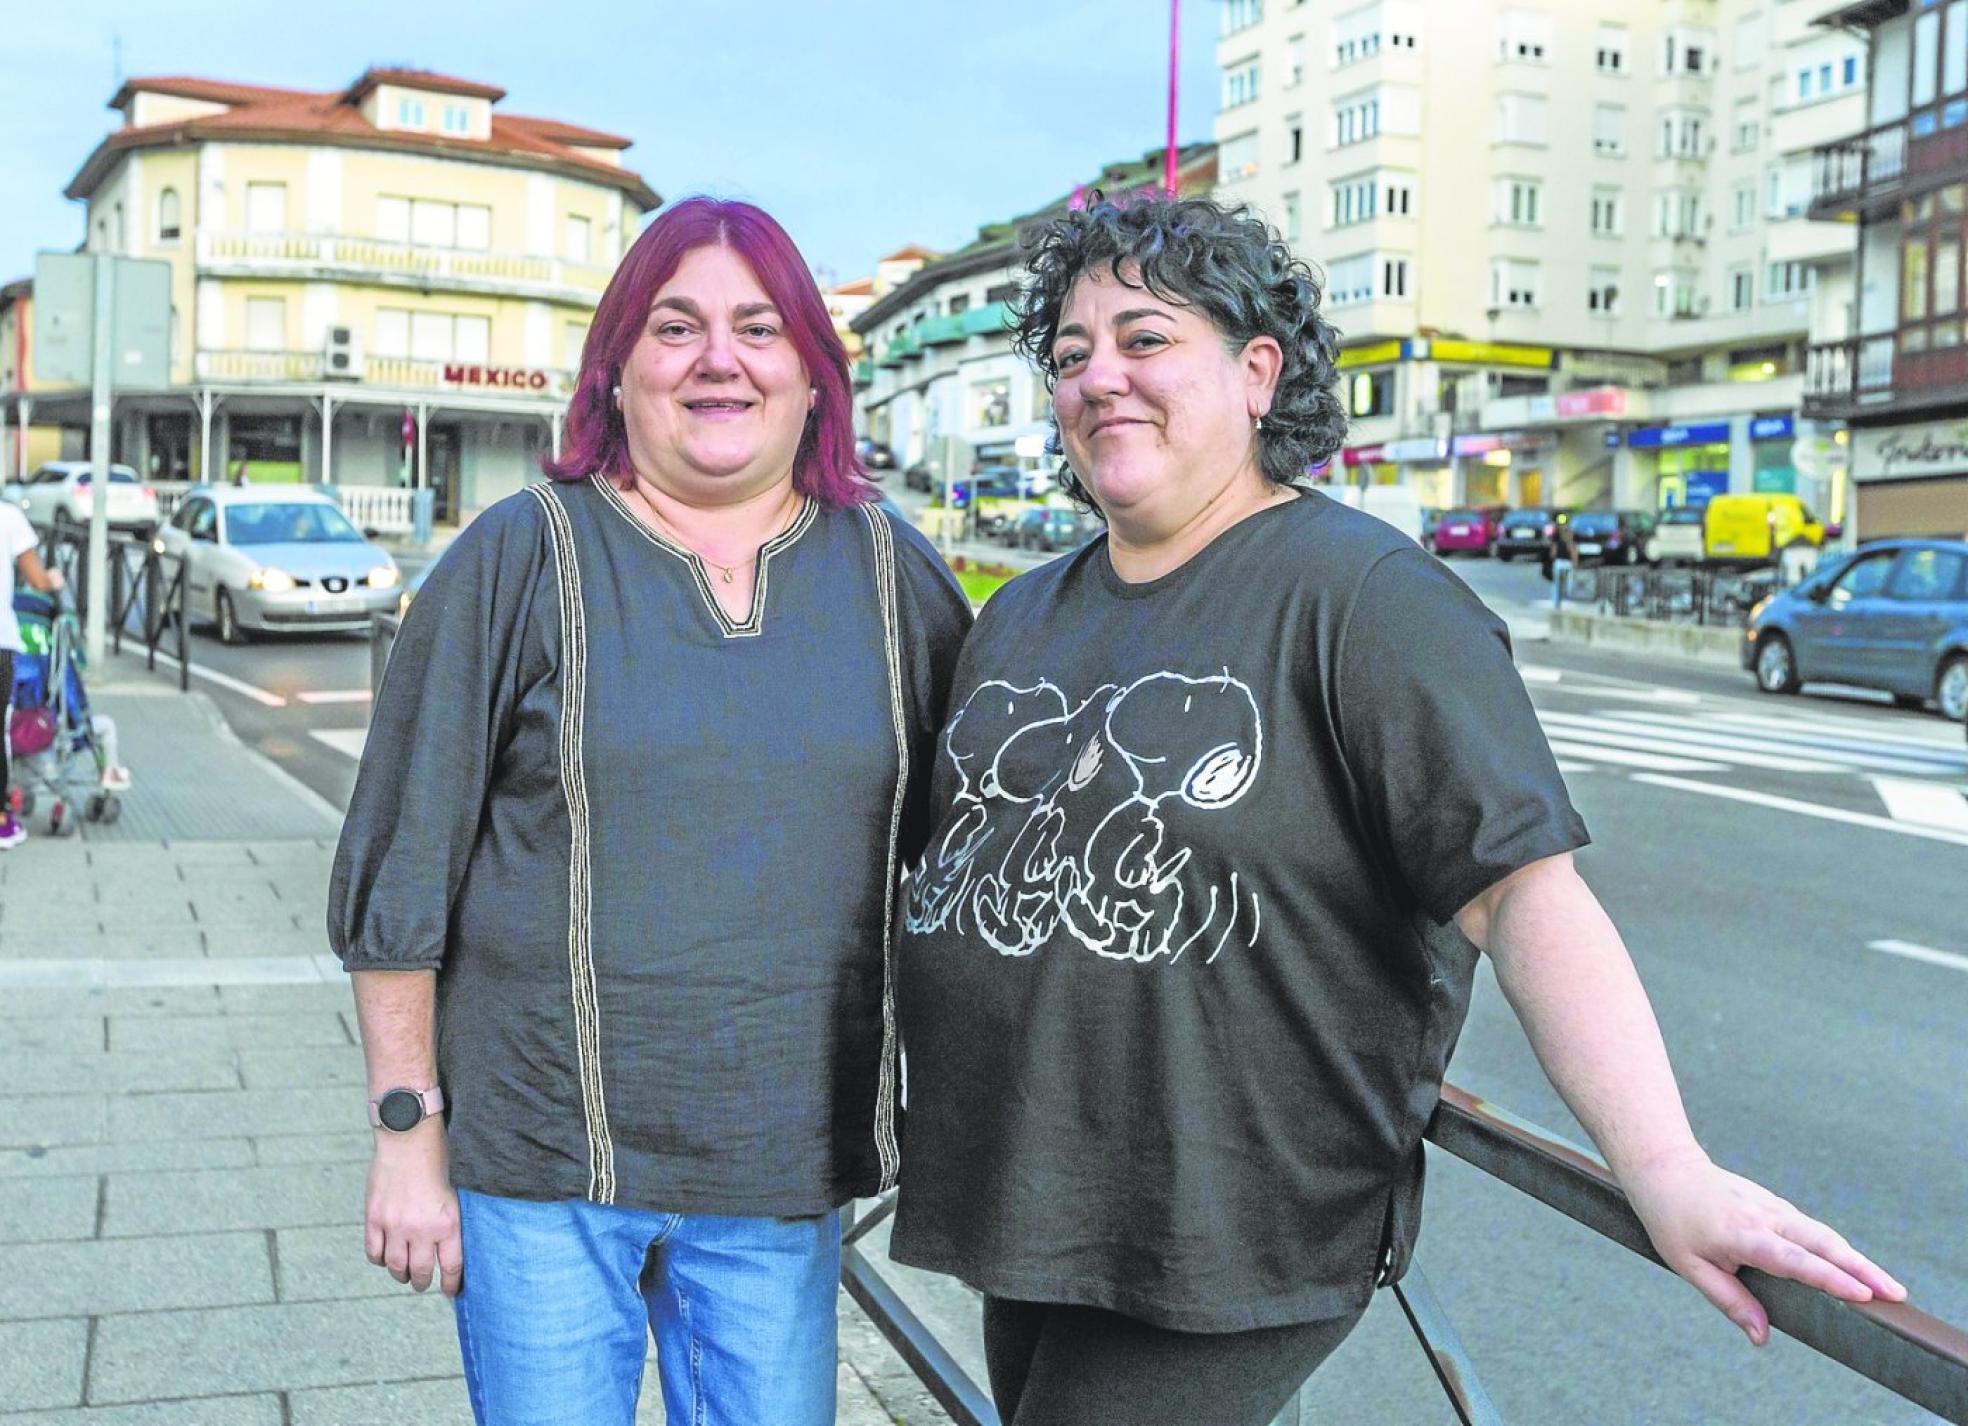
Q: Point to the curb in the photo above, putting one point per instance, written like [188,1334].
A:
[1697,643]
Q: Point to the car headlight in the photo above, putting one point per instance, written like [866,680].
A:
[384,576]
[1756,609]
[271,581]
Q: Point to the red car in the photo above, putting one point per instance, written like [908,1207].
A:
[1469,531]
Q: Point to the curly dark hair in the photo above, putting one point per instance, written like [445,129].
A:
[1231,267]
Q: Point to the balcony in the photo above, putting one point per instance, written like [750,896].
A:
[239,367]
[1874,171]
[1914,371]
[331,257]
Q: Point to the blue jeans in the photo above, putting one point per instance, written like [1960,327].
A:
[560,1298]
[1561,573]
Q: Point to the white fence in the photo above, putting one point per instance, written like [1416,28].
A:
[385,509]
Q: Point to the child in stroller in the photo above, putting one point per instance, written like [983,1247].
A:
[61,748]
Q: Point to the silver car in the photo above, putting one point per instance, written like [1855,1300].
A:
[259,557]
[59,495]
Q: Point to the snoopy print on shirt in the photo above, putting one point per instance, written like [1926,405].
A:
[1062,819]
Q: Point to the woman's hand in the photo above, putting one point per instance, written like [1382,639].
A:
[411,1218]
[1706,1223]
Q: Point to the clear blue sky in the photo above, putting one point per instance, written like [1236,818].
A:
[861,124]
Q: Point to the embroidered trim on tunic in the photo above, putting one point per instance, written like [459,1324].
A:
[886,1148]
[753,623]
[580,892]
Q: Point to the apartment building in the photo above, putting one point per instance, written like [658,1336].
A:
[1891,361]
[384,285]
[1567,241]
[940,383]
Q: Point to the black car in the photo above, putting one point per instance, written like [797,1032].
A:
[1527,531]
[1052,528]
[919,477]
[874,456]
[1607,537]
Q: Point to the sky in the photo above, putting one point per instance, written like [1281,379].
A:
[862,125]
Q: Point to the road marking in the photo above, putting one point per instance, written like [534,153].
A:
[336,695]
[1925,802]
[1806,809]
[1853,754]
[1624,758]
[1847,728]
[1910,951]
[348,742]
[1603,687]
[102,974]
[1626,735]
[226,680]
[1566,766]
[1531,673]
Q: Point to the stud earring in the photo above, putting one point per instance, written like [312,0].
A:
[1260,424]
[618,393]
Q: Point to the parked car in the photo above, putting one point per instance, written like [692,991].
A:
[993,493]
[261,557]
[1051,527]
[1755,529]
[61,495]
[874,456]
[1606,537]
[1676,538]
[919,477]
[1468,531]
[1431,520]
[1528,530]
[1893,616]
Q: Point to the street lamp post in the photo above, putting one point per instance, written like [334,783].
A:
[1175,53]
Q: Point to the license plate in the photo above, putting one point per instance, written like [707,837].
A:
[1458,529]
[1588,549]
[1522,534]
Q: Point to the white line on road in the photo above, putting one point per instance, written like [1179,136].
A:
[1806,809]
[1941,739]
[335,695]
[1567,766]
[1910,951]
[1925,802]
[1616,734]
[1532,673]
[1594,685]
[1850,753]
[1625,758]
[346,741]
[226,680]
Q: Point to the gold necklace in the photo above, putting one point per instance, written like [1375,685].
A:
[729,571]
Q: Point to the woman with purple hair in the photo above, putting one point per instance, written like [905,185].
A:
[617,880]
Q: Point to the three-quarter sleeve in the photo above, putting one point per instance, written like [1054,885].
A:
[466,652]
[935,617]
[1451,764]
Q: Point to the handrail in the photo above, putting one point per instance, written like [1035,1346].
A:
[149,597]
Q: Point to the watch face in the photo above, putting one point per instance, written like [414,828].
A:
[400,1110]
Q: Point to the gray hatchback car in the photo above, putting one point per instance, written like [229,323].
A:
[1893,616]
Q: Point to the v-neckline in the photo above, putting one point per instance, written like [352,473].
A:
[754,622]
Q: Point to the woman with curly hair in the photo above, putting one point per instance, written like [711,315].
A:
[1188,951]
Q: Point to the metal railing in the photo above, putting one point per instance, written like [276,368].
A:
[149,599]
[1712,597]
[1860,168]
[466,269]
[1912,1354]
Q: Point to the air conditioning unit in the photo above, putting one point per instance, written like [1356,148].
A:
[341,354]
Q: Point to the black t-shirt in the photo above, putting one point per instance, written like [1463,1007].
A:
[1179,977]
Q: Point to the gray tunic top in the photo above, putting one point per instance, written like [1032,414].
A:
[651,852]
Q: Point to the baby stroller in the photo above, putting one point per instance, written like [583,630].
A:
[57,747]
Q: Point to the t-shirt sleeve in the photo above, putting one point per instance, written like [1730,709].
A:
[1451,764]
[934,617]
[455,675]
[16,534]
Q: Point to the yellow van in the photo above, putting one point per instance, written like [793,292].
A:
[1755,529]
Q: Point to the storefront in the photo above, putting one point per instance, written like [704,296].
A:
[1507,468]
[1690,463]
[1911,480]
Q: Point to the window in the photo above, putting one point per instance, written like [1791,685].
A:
[474,226]
[1849,71]
[1602,292]
[960,302]
[1370,393]
[1803,85]
[1350,280]
[392,332]
[1513,283]
[1608,212]
[1356,36]
[1515,202]
[1683,134]
[1786,280]
[393,219]
[170,216]
[1353,200]
[1294,138]
[1524,37]
[1295,62]
[471,339]
[1748,132]
[1926,49]
[1521,119]
[1913,280]
[1674,293]
[1789,188]
[1863,580]
[410,113]
[1686,52]
[1925,576]
[1677,213]
[1241,15]
[1240,83]
[1609,129]
[1398,200]
[457,120]
[1742,207]
[433,225]
[579,239]
[446,336]
[1355,119]
[1291,218]
[1954,52]
[1742,288]
[1394,278]
[266,324]
[430,336]
[1749,42]
[1003,292]
[1609,50]
[1237,156]
[266,207]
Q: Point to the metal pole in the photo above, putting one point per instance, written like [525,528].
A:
[327,439]
[1175,53]
[423,455]
[555,421]
[205,434]
[102,377]
[24,409]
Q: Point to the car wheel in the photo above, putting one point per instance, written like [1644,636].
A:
[227,618]
[1776,665]
[1504,556]
[1951,689]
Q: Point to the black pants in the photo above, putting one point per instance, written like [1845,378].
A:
[1081,1366]
[6,713]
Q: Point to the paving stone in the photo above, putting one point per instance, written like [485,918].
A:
[230,1114]
[135,1275]
[87,943]
[288,1346]
[327,1264]
[205,1411]
[438,1402]
[138,888]
[285,999]
[175,912]
[41,1210]
[111,1073]
[202,854]
[50,1119]
[76,1159]
[204,1034]
[254,889]
[66,1034]
[123,1000]
[41,1362]
[221,1200]
[252,941]
[305,1065]
[353,1147]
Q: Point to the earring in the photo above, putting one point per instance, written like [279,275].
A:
[1260,424]
[618,393]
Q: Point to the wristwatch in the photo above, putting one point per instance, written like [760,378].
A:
[401,1110]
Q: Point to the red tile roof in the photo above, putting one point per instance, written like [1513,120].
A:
[914,250]
[860,287]
[333,117]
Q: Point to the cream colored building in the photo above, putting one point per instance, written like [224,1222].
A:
[1566,240]
[385,285]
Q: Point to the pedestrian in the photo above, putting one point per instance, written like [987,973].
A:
[1564,556]
[20,559]
[616,884]
[1219,846]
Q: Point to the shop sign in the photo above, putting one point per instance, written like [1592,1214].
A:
[1485,353]
[1364,455]
[1705,485]
[1714,433]
[1427,448]
[1373,354]
[1599,401]
[1775,480]
[496,378]
[1772,428]
[1908,452]
[1482,445]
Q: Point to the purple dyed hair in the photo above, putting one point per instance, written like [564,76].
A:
[595,441]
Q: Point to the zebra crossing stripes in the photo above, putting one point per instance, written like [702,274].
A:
[1622,733]
[1719,738]
[1929,803]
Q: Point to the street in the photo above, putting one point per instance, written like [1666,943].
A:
[1785,873]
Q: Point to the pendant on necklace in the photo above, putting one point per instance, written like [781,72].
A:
[727,573]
